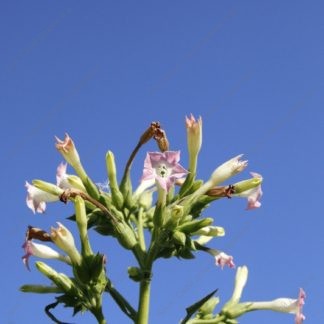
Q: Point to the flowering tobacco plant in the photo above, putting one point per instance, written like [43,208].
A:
[174,222]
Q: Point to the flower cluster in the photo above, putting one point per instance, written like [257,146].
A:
[172,224]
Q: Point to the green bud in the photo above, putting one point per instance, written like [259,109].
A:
[195,225]
[175,216]
[75,182]
[247,185]
[209,306]
[81,219]
[48,187]
[179,238]
[135,273]
[125,236]
[41,289]
[117,196]
[61,280]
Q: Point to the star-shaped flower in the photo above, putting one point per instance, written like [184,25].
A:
[164,168]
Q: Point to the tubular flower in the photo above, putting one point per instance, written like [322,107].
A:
[68,150]
[285,305]
[36,199]
[222,259]
[253,195]
[40,251]
[164,168]
[64,239]
[228,169]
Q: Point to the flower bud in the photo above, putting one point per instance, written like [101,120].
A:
[210,231]
[81,219]
[40,289]
[117,196]
[61,280]
[194,137]
[179,238]
[195,225]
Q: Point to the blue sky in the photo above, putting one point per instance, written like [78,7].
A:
[102,71]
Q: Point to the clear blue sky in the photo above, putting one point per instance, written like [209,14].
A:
[103,70]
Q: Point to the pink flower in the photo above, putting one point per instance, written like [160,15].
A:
[164,168]
[222,259]
[41,251]
[253,195]
[36,199]
[285,305]
[300,303]
[61,176]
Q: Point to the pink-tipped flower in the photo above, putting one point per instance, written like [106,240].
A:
[164,168]
[36,199]
[253,195]
[41,251]
[222,259]
[68,150]
[285,305]
[300,317]
[194,134]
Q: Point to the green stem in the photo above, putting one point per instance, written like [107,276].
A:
[140,230]
[144,301]
[99,315]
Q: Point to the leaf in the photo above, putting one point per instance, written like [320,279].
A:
[195,307]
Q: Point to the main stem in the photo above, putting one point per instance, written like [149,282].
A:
[144,302]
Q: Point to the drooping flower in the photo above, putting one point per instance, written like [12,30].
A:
[41,251]
[164,168]
[68,150]
[36,199]
[64,239]
[253,195]
[222,259]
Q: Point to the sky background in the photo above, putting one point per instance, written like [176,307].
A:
[103,70]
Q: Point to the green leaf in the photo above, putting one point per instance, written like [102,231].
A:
[191,310]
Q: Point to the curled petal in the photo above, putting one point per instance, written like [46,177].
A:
[67,148]
[36,199]
[222,259]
